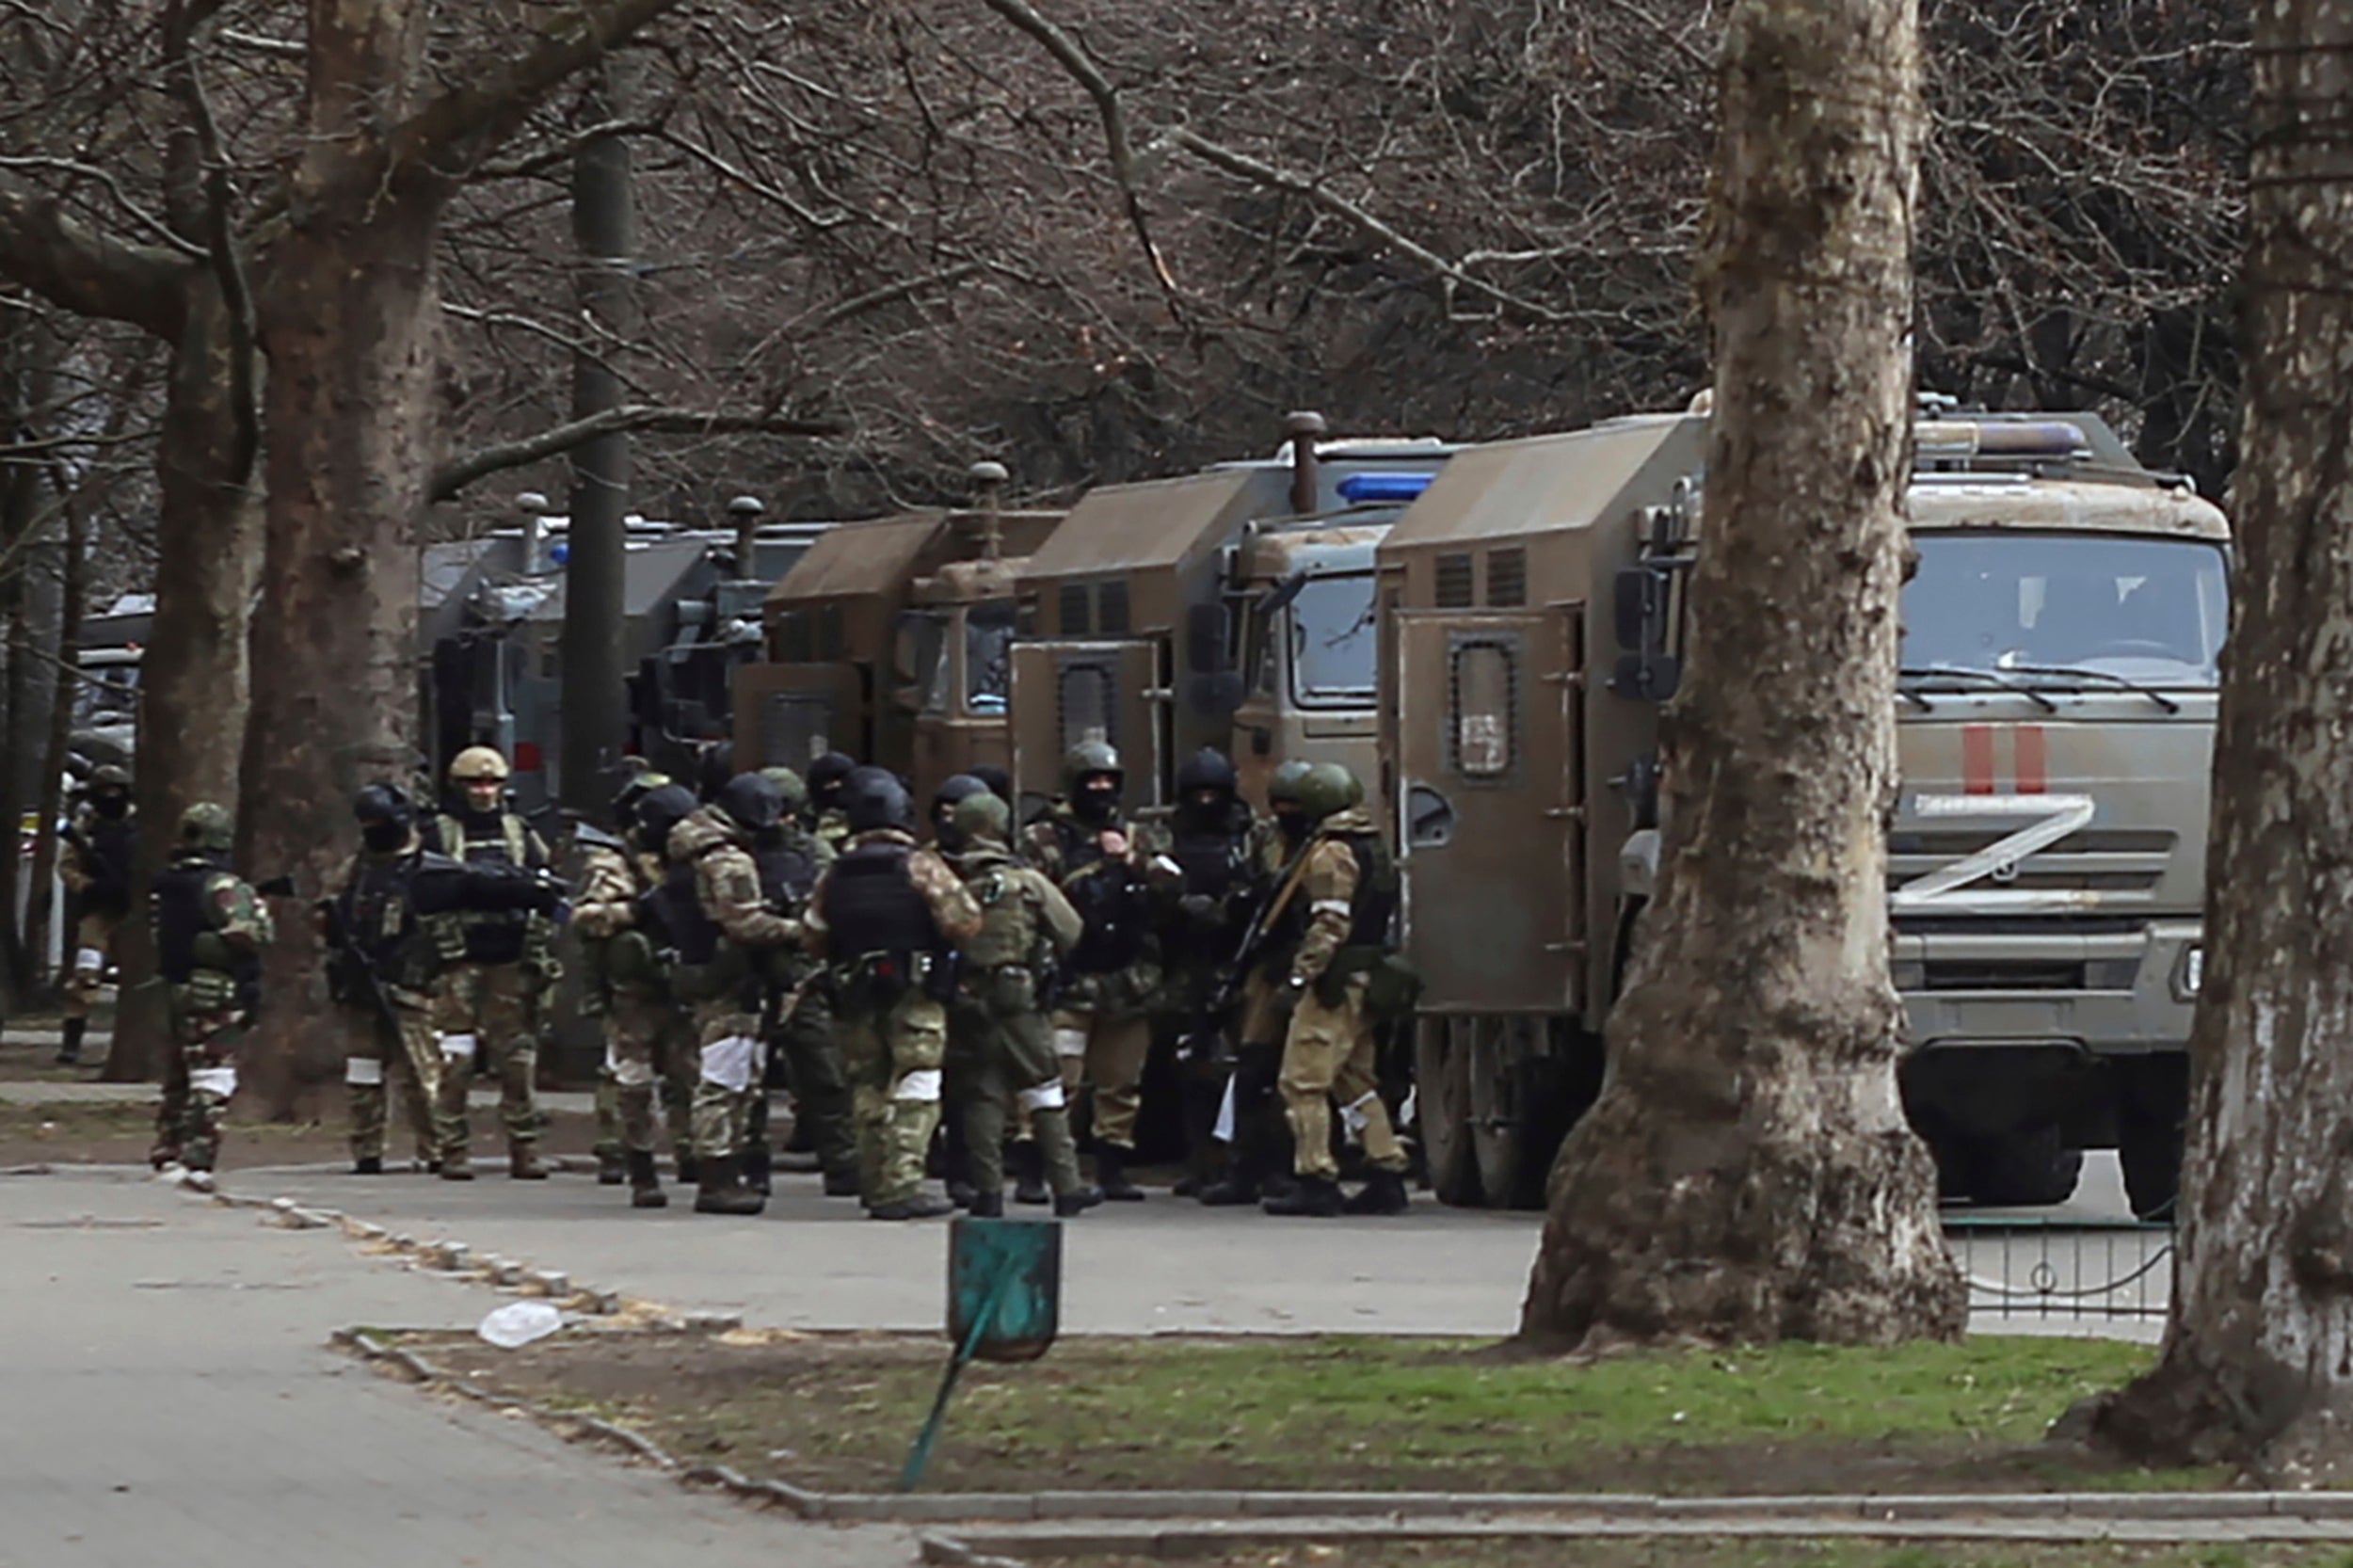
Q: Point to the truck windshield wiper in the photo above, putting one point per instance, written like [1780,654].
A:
[2072,670]
[1988,677]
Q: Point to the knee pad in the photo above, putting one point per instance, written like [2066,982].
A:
[458,1047]
[921,1087]
[730,1062]
[221,1082]
[1043,1097]
[634,1075]
[362,1071]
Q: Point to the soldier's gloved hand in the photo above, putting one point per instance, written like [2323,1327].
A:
[1200,908]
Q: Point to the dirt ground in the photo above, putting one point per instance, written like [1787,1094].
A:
[120,1134]
[839,1412]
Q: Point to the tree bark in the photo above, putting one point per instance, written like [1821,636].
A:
[1747,1176]
[2257,1366]
[49,804]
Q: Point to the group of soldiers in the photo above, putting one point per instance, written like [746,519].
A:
[765,931]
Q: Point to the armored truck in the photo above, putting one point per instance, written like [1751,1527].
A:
[891,641]
[2046,861]
[1231,608]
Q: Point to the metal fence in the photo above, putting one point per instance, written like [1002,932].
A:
[2053,1270]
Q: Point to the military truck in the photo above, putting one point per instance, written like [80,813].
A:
[1230,608]
[2047,862]
[891,641]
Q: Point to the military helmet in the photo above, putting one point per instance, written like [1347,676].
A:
[383,802]
[661,810]
[639,786]
[999,782]
[789,785]
[477,763]
[1088,758]
[827,771]
[873,798]
[751,801]
[1206,768]
[1284,785]
[715,769]
[958,789]
[110,775]
[983,816]
[207,826]
[1328,789]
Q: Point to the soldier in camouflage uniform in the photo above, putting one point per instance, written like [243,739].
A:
[94,861]
[499,963]
[995,1025]
[792,857]
[647,1040]
[1259,1156]
[1103,1021]
[889,916]
[1347,895]
[380,967]
[727,930]
[210,929]
[824,813]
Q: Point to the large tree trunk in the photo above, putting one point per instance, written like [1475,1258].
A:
[1747,1176]
[49,804]
[2258,1359]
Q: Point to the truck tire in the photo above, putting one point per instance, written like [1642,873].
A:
[2149,1149]
[1507,1081]
[2027,1169]
[1442,1109]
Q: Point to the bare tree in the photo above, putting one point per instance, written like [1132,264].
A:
[1746,1175]
[2254,1369]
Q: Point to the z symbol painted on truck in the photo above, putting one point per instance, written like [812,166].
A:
[1948,887]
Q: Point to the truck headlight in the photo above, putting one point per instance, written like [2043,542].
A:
[2189,974]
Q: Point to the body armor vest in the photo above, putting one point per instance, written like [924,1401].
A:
[181,917]
[872,905]
[492,935]
[107,863]
[691,931]
[1376,891]
[788,872]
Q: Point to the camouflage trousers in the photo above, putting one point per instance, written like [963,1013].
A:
[892,1048]
[648,1047]
[1104,1053]
[820,1084]
[1328,1056]
[388,1054]
[494,1007]
[1001,1058]
[731,1077]
[200,1077]
[94,937]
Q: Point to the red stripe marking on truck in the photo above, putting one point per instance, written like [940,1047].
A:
[2034,759]
[1977,759]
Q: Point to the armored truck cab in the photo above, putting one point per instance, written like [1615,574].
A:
[888,641]
[2047,862]
[1177,614]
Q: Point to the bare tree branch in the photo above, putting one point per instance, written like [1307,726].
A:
[71,267]
[456,475]
[180,20]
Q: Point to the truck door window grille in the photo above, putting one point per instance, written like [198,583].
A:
[1454,582]
[795,730]
[1507,579]
[1483,679]
[795,643]
[1076,621]
[1083,691]
[1110,610]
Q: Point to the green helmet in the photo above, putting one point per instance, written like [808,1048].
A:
[207,826]
[1088,757]
[1328,789]
[790,785]
[110,775]
[983,816]
[1286,782]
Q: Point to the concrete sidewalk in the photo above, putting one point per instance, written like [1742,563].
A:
[170,1398]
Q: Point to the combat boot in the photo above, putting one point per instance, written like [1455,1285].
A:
[612,1169]
[921,1207]
[523,1165]
[1312,1196]
[644,1185]
[987,1205]
[69,1047]
[1069,1206]
[1111,1175]
[1384,1193]
[723,1191]
[759,1165]
[458,1166]
[842,1184]
[368,1164]
[1239,1187]
[1030,1174]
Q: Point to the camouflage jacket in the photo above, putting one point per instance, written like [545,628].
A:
[726,881]
[1018,907]
[610,884]
[952,905]
[1327,889]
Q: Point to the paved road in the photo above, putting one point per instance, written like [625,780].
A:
[169,1399]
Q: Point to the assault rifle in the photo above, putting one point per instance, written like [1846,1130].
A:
[1205,1039]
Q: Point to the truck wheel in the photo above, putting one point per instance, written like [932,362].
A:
[2030,1169]
[1442,1109]
[2149,1149]
[1506,1081]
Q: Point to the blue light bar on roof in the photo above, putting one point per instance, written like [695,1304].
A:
[1360,489]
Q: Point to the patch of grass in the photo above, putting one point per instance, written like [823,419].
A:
[1351,1413]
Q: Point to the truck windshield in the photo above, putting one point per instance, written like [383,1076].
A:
[2150,612]
[987,658]
[1334,641]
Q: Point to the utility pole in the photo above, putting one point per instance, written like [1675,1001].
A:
[604,227]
